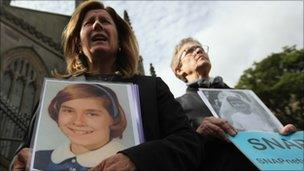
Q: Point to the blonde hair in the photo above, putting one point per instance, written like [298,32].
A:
[175,58]
[127,57]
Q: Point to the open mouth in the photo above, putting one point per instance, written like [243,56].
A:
[99,37]
[201,57]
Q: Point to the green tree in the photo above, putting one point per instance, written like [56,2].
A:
[279,81]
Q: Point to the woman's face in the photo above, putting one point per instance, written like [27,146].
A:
[98,34]
[85,122]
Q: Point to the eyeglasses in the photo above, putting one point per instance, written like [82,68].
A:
[191,50]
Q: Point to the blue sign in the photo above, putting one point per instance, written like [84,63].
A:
[272,151]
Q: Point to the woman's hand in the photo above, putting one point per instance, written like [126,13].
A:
[20,162]
[216,127]
[119,162]
[288,129]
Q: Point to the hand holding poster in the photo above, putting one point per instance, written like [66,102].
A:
[82,123]
[258,136]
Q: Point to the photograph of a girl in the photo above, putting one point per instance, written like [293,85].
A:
[92,119]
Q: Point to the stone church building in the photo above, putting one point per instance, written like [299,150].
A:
[30,50]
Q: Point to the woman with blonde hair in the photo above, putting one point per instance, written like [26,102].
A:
[99,45]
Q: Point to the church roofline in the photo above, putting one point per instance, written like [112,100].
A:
[38,11]
[31,30]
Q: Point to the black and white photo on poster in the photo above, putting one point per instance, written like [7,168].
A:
[81,123]
[242,108]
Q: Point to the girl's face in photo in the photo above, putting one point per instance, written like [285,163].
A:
[86,122]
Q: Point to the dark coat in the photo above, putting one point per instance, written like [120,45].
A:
[170,144]
[218,155]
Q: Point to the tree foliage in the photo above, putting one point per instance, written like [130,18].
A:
[279,81]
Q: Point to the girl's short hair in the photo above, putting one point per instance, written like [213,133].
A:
[78,91]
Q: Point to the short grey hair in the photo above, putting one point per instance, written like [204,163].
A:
[175,57]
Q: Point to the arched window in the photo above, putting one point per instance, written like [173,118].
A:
[22,77]
[6,83]
[22,72]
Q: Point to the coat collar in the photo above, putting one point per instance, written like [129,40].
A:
[216,82]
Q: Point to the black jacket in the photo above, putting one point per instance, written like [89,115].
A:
[170,144]
[217,154]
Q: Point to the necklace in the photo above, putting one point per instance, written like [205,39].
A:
[102,77]
[106,77]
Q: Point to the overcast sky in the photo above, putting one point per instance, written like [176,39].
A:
[239,33]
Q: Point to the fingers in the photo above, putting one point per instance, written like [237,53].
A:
[20,162]
[24,154]
[117,162]
[288,129]
[99,167]
[223,124]
[216,127]
[209,128]
[227,127]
